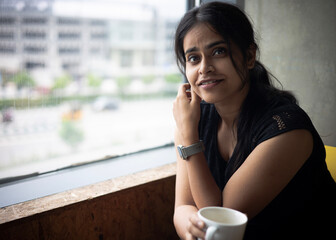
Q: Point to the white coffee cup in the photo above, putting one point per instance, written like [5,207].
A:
[223,223]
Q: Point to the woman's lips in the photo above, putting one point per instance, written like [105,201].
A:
[206,84]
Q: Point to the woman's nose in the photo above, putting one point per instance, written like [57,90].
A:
[206,67]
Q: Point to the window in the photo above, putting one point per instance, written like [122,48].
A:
[68,21]
[7,21]
[29,66]
[68,35]
[6,35]
[68,50]
[34,35]
[126,31]
[97,23]
[85,81]
[148,58]
[34,49]
[7,49]
[34,20]
[126,57]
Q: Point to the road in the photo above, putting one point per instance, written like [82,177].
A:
[34,136]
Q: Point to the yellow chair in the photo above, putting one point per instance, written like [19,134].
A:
[331,160]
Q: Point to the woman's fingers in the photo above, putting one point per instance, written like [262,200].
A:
[190,237]
[196,227]
[187,111]
[187,92]
[194,97]
[183,90]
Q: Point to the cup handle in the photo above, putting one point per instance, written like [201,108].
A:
[210,232]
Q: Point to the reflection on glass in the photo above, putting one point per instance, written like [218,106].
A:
[84,80]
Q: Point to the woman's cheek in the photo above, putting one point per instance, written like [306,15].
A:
[191,75]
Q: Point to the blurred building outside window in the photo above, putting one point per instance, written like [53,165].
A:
[84,80]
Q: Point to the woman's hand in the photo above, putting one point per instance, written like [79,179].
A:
[196,228]
[187,113]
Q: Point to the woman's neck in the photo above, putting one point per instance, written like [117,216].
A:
[228,115]
[230,110]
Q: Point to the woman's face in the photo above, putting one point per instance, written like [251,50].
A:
[209,68]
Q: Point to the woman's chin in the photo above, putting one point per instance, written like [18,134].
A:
[208,99]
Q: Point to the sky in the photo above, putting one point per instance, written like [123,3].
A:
[120,9]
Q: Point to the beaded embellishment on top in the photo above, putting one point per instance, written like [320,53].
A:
[281,124]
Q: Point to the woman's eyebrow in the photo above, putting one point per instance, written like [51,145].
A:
[193,49]
[210,45]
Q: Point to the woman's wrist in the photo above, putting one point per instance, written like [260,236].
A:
[190,139]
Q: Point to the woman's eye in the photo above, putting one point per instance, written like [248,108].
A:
[219,51]
[192,59]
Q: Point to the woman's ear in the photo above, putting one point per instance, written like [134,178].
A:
[251,56]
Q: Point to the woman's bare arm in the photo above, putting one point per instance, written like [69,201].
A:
[185,206]
[266,171]
[262,176]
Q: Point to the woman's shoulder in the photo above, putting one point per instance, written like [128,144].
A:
[282,118]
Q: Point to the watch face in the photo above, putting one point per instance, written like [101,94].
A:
[179,149]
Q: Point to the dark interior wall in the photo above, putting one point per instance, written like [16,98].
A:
[297,41]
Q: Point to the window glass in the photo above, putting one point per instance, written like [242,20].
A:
[84,80]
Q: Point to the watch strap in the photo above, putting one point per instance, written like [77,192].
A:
[193,149]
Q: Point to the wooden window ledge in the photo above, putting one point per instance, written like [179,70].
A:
[120,208]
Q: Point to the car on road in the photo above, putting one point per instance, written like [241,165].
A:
[105,103]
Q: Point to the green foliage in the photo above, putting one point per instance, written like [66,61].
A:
[148,79]
[46,101]
[173,78]
[62,82]
[93,81]
[71,133]
[123,81]
[23,79]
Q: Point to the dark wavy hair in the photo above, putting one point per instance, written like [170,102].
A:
[234,26]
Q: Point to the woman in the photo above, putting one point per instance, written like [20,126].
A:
[262,154]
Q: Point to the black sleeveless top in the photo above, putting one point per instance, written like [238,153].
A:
[306,207]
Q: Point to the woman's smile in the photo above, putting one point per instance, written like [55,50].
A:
[209,83]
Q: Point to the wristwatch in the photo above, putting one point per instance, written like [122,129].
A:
[188,151]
